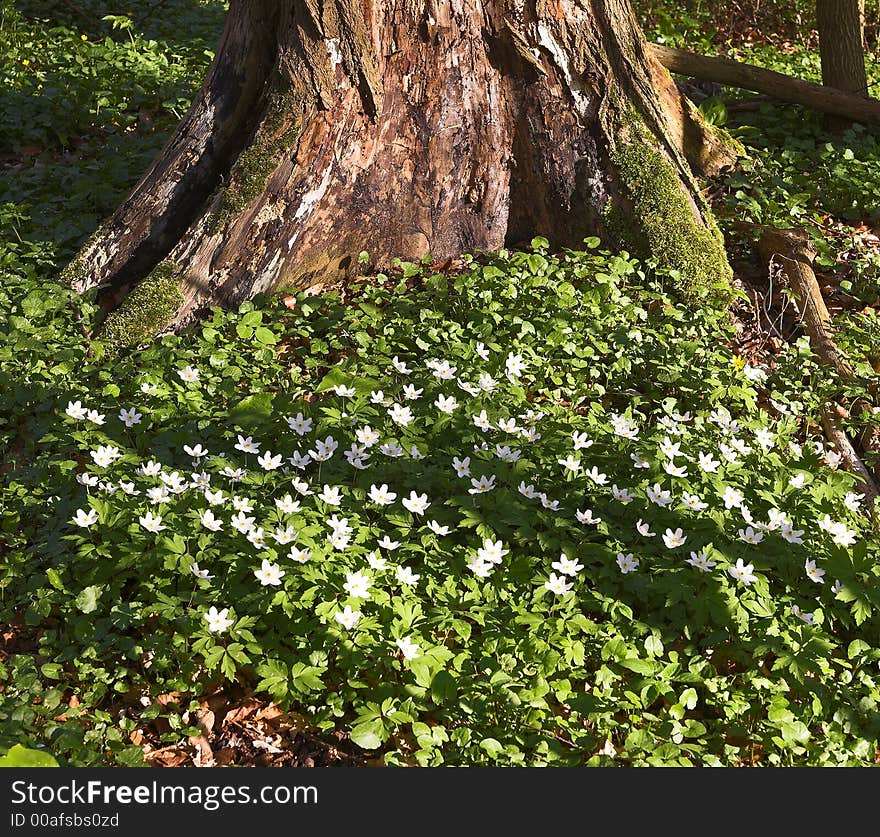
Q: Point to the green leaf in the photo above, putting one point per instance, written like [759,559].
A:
[443,687]
[87,600]
[18,756]
[252,410]
[265,336]
[369,735]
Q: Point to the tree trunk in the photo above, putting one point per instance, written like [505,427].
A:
[841,45]
[329,127]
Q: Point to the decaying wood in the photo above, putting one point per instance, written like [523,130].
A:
[748,77]
[793,252]
[399,127]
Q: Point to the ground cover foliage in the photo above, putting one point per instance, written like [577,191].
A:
[527,508]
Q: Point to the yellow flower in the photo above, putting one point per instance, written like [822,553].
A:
[84,37]
[26,62]
[739,363]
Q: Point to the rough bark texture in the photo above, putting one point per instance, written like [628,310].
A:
[841,45]
[328,127]
[830,100]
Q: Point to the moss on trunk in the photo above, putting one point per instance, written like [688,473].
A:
[660,220]
[149,307]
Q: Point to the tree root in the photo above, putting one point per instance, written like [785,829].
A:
[792,251]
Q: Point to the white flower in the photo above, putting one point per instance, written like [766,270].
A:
[387,543]
[218,621]
[547,503]
[400,414]
[415,453]
[708,463]
[764,438]
[344,391]
[324,449]
[672,539]
[242,504]
[701,561]
[149,389]
[189,374]
[622,495]
[381,495]
[150,523]
[640,461]
[299,555]
[624,426]
[400,366]
[159,494]
[798,480]
[416,503]
[149,469]
[791,534]
[200,480]
[299,461]
[257,537]
[514,366]
[200,573]
[486,382]
[299,424]
[411,392]
[505,454]
[733,497]
[530,434]
[76,410]
[627,563]
[209,521]
[462,466]
[284,536]
[586,517]
[130,417]
[87,479]
[492,551]
[527,490]
[670,449]
[269,574]
[234,474]
[744,573]
[128,488]
[693,502]
[391,449]
[832,459]
[809,618]
[377,396]
[558,584]
[853,501]
[658,496]
[408,648]
[844,537]
[268,462]
[247,445]
[644,529]
[749,535]
[596,476]
[570,463]
[435,527]
[482,421]
[357,585]
[581,442]
[444,371]
[242,523]
[348,618]
[729,453]
[567,566]
[482,485]
[674,470]
[480,568]
[105,455]
[331,495]
[95,417]
[446,405]
[84,518]
[406,576]
[469,388]
[836,587]
[508,425]
[814,573]
[482,351]
[376,561]
[755,374]
[287,505]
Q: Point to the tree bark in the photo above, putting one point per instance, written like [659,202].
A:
[841,45]
[779,86]
[329,127]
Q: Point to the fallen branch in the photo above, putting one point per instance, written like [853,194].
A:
[793,252]
[779,86]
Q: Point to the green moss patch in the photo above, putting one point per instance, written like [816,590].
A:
[661,220]
[145,311]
